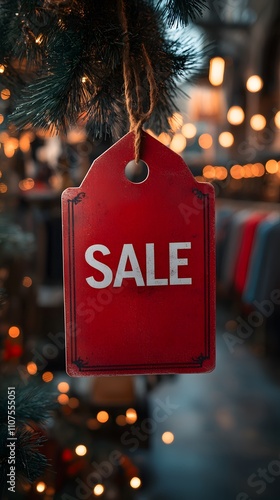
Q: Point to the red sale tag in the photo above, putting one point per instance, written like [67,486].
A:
[139,266]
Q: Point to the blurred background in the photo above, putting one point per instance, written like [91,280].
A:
[199,437]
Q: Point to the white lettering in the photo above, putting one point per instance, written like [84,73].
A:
[128,254]
[105,270]
[150,267]
[175,262]
[129,258]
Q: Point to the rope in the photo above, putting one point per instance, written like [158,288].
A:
[132,82]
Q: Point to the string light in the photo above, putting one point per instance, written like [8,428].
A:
[167,437]
[47,377]
[209,172]
[63,387]
[216,71]
[135,482]
[178,143]
[221,173]
[254,83]
[236,172]
[40,487]
[14,332]
[27,282]
[258,122]
[73,403]
[131,416]
[121,420]
[164,138]
[3,188]
[226,139]
[102,417]
[26,184]
[205,141]
[189,130]
[98,490]
[5,94]
[32,368]
[258,169]
[81,450]
[1,119]
[2,68]
[277,119]
[63,399]
[93,424]
[235,115]
[272,166]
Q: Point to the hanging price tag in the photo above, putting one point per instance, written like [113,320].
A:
[139,266]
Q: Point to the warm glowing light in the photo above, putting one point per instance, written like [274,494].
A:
[9,149]
[27,281]
[258,122]
[1,119]
[272,166]
[175,121]
[209,172]
[216,71]
[2,68]
[164,138]
[40,487]
[3,188]
[189,130]
[63,387]
[81,450]
[135,482]
[257,169]
[235,115]
[5,94]
[39,39]
[73,403]
[199,178]
[221,173]
[131,416]
[167,437]
[32,368]
[236,172]
[121,420]
[47,377]
[63,399]
[84,79]
[226,139]
[93,424]
[254,83]
[14,332]
[178,143]
[247,171]
[24,143]
[205,141]
[26,184]
[98,490]
[102,417]
[277,119]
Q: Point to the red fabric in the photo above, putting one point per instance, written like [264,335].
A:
[245,251]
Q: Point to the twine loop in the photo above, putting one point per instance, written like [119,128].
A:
[132,83]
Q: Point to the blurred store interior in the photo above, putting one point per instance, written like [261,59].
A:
[218,434]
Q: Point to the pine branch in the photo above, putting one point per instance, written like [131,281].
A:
[182,11]
[66,60]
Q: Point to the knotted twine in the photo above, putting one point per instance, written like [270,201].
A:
[132,81]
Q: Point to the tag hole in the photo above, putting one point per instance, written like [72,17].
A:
[136,172]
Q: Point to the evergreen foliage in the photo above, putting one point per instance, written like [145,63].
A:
[64,60]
